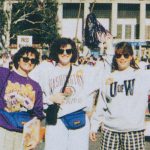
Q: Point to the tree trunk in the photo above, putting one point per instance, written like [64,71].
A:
[7,11]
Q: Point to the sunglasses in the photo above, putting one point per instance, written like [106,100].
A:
[124,55]
[27,59]
[68,51]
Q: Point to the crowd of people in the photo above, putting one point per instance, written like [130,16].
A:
[68,82]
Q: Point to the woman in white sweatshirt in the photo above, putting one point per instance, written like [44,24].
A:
[76,95]
[121,107]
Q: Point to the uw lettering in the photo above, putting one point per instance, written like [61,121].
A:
[113,89]
[128,86]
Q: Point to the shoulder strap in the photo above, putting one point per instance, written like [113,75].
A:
[67,78]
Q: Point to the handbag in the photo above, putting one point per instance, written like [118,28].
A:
[15,119]
[74,120]
[51,114]
[52,110]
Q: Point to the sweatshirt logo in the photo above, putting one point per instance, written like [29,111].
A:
[127,87]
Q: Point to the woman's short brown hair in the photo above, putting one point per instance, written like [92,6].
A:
[62,42]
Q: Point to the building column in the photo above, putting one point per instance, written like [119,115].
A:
[114,19]
[142,20]
[132,31]
[60,16]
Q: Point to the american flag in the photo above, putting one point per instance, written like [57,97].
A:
[102,34]
[95,33]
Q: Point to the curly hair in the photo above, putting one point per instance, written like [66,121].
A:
[62,42]
[22,51]
[122,48]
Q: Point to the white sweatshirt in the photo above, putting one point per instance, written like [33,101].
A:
[82,83]
[123,101]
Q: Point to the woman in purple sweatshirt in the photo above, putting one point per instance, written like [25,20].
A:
[18,93]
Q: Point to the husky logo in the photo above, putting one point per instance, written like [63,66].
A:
[128,87]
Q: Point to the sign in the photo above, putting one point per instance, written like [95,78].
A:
[31,133]
[24,41]
[137,43]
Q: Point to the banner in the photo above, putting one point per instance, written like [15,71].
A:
[24,41]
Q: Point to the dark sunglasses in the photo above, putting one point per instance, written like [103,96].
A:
[27,59]
[68,51]
[124,55]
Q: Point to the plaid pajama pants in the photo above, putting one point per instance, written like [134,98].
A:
[133,140]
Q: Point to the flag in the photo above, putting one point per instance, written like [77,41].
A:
[95,33]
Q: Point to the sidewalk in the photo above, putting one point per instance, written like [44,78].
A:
[95,145]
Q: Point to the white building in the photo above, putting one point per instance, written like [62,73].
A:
[127,20]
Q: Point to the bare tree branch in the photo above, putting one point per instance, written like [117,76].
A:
[22,18]
[12,36]
[35,29]
[34,22]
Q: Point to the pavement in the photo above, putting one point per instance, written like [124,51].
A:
[95,145]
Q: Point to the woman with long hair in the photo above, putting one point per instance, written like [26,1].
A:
[121,109]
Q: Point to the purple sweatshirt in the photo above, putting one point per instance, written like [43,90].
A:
[18,93]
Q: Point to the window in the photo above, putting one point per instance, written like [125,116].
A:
[126,28]
[127,31]
[119,31]
[147,32]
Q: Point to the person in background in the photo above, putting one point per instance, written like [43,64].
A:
[143,63]
[11,65]
[148,65]
[44,57]
[81,60]
[75,97]
[121,108]
[5,59]
[19,93]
